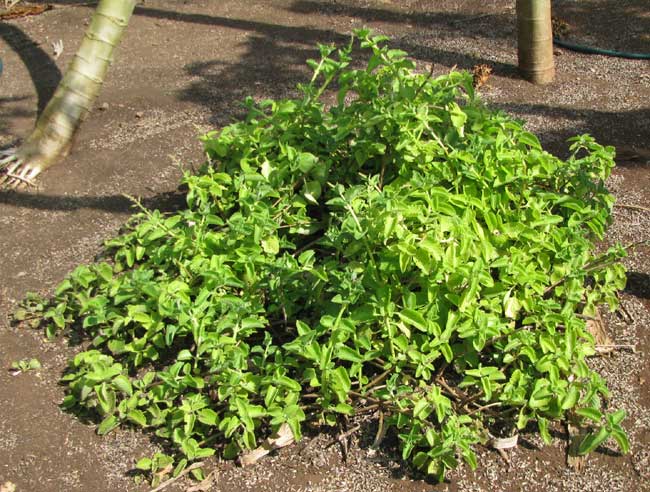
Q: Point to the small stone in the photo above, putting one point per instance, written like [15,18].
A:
[138,114]
[8,487]
[103,107]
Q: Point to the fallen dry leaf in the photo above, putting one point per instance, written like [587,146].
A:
[280,439]
[596,327]
[23,11]
[481,75]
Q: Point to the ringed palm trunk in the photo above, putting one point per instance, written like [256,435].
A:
[74,97]
[535,41]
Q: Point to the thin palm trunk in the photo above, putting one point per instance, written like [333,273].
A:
[74,97]
[535,40]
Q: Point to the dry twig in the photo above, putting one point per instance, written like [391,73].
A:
[610,347]
[632,207]
[343,435]
[205,484]
[167,483]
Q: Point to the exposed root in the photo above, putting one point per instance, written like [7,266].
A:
[16,173]
[7,155]
[20,180]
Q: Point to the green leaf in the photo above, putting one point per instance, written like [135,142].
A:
[105,271]
[621,439]
[63,286]
[107,425]
[271,395]
[208,416]
[530,140]
[346,353]
[312,191]
[138,417]
[106,397]
[271,245]
[542,425]
[511,307]
[130,257]
[341,383]
[571,398]
[344,408]
[590,413]
[413,318]
[616,417]
[421,409]
[592,441]
[184,355]
[306,161]
[230,451]
[144,464]
[294,425]
[182,464]
[197,473]
[458,117]
[20,314]
[470,459]
[288,383]
[447,352]
[123,384]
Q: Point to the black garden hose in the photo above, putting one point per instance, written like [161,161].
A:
[599,51]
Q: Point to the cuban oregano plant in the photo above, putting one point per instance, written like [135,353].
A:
[400,248]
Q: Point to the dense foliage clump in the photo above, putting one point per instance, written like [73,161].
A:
[403,250]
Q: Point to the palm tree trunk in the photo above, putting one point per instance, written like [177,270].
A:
[535,40]
[74,97]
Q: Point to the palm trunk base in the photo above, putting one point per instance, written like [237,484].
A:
[55,129]
[19,167]
[535,41]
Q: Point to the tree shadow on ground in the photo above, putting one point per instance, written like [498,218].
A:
[638,285]
[257,73]
[493,24]
[7,114]
[275,59]
[624,129]
[612,24]
[275,54]
[43,71]
[170,201]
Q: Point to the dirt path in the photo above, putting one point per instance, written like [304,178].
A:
[183,67]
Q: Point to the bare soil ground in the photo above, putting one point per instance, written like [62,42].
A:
[182,68]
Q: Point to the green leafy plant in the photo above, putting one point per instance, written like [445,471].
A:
[400,249]
[31,310]
[25,365]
